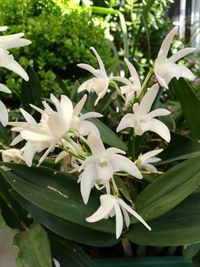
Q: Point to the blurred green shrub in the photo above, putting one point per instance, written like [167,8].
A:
[60,39]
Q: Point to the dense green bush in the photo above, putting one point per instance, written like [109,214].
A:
[59,40]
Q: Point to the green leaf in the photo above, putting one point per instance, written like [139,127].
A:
[177,151]
[31,90]
[34,247]
[108,136]
[190,104]
[55,192]
[169,189]
[68,253]
[66,229]
[180,226]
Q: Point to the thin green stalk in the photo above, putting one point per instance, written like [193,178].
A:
[143,89]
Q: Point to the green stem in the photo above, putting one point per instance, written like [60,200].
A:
[119,92]
[148,77]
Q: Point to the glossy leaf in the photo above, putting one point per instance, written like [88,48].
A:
[69,254]
[34,247]
[31,90]
[65,228]
[177,151]
[169,189]
[55,192]
[180,226]
[190,103]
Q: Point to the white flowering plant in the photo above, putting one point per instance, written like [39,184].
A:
[99,178]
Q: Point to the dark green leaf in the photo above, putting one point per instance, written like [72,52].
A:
[169,189]
[190,104]
[69,254]
[180,226]
[67,229]
[31,90]
[55,192]
[34,247]
[180,148]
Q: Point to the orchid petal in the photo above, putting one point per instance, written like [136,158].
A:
[119,220]
[17,43]
[127,121]
[4,89]
[89,115]
[87,182]
[79,105]
[101,65]
[14,66]
[86,67]
[16,140]
[148,99]
[3,114]
[87,127]
[121,163]
[107,204]
[150,154]
[148,167]
[29,153]
[50,149]
[134,76]
[158,112]
[161,129]
[181,53]
[126,216]
[27,116]
[96,145]
[134,213]
[164,49]
[114,150]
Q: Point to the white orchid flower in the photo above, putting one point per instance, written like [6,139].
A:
[12,154]
[114,206]
[6,60]
[142,120]
[145,160]
[100,83]
[53,125]
[49,131]
[79,121]
[132,87]
[99,168]
[166,68]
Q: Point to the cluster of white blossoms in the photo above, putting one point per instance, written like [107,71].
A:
[66,129]
[7,61]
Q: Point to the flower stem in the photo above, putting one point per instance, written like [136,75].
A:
[148,77]
[127,247]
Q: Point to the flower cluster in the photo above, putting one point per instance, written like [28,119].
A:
[7,61]
[67,129]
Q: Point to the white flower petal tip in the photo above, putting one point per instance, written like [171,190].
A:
[100,167]
[100,83]
[142,120]
[145,160]
[166,68]
[6,60]
[4,89]
[111,205]
[132,86]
